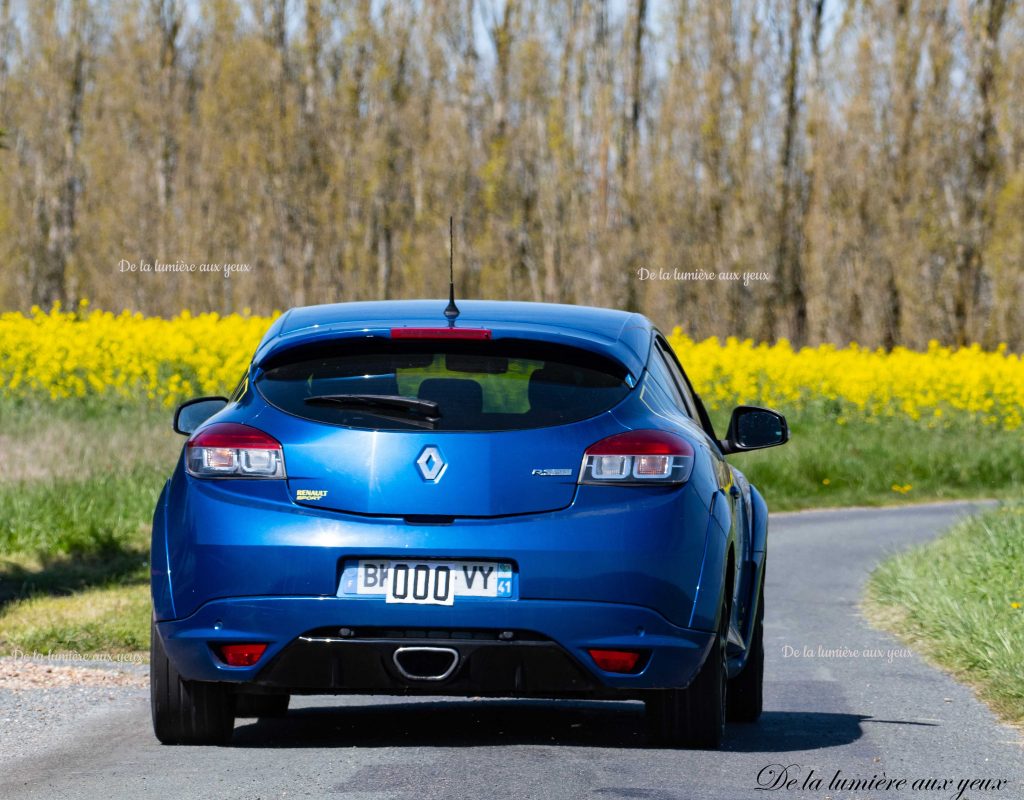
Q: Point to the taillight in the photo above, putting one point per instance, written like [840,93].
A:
[241,655]
[230,450]
[638,457]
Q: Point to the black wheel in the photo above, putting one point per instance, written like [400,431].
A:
[746,690]
[694,717]
[186,712]
[261,705]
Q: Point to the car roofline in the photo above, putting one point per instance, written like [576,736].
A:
[627,340]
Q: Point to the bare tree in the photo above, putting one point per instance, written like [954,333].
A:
[867,157]
[787,253]
[983,166]
[168,17]
[6,46]
[630,156]
[57,207]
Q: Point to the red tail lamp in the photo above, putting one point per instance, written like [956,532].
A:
[623,661]
[241,655]
[638,457]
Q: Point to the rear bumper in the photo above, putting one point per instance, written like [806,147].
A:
[546,655]
[614,545]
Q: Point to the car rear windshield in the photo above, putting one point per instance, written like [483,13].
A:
[453,385]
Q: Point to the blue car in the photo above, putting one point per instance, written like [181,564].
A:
[527,500]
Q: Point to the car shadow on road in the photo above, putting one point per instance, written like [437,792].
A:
[489,723]
[791,731]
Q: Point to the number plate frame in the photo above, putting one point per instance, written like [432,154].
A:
[427,581]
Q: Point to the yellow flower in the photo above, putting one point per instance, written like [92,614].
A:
[84,352]
[89,352]
[826,481]
[938,384]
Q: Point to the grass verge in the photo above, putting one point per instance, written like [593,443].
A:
[873,462]
[112,619]
[77,490]
[960,601]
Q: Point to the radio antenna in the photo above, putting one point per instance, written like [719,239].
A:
[451,313]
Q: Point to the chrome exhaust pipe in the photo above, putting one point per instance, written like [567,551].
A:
[425,663]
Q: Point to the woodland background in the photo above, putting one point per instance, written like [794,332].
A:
[867,154]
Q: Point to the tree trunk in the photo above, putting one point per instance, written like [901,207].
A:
[630,156]
[167,16]
[311,165]
[603,123]
[787,259]
[6,45]
[60,243]
[983,161]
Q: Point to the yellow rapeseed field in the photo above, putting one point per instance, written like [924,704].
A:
[931,386]
[88,353]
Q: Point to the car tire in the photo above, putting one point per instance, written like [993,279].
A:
[746,690]
[694,717]
[261,705]
[186,712]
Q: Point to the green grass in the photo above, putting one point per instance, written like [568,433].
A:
[858,463]
[111,619]
[960,601]
[78,483]
[77,489]
[98,515]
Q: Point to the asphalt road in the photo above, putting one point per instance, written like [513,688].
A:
[861,704]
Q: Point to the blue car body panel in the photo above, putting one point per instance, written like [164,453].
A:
[618,567]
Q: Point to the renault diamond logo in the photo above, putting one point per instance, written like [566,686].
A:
[431,464]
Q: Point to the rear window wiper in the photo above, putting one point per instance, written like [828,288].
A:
[397,408]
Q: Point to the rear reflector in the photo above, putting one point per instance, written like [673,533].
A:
[638,457]
[241,655]
[624,661]
[440,333]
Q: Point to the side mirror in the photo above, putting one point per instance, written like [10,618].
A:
[193,413]
[752,428]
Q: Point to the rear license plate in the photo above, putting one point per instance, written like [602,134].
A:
[433,582]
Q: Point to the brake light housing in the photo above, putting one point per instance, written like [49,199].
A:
[636,458]
[232,450]
[440,333]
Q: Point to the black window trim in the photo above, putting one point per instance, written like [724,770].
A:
[680,390]
[661,346]
[240,388]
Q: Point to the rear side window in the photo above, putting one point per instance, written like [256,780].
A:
[664,362]
[453,385]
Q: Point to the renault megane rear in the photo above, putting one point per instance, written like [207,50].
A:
[527,501]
